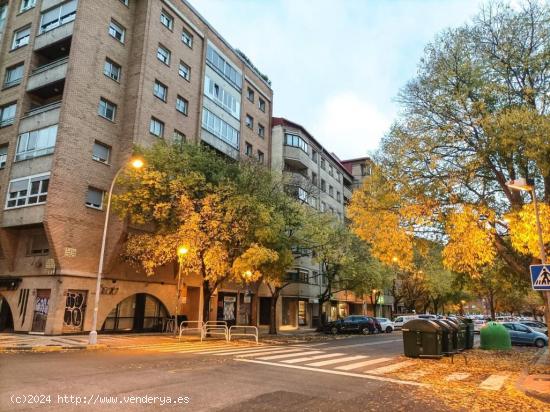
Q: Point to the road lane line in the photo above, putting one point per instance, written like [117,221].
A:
[493,382]
[358,365]
[311,358]
[333,372]
[290,355]
[339,360]
[391,368]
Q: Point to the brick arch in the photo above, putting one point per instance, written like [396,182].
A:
[10,305]
[105,309]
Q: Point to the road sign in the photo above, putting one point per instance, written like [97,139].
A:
[540,276]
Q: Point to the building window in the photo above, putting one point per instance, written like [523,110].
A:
[314,156]
[314,178]
[117,31]
[27,191]
[223,67]
[261,104]
[182,105]
[156,127]
[101,152]
[323,207]
[223,97]
[160,90]
[296,141]
[338,176]
[107,109]
[125,2]
[184,71]
[261,156]
[166,19]
[297,192]
[3,155]
[14,74]
[38,245]
[37,143]
[27,4]
[331,170]
[58,16]
[163,54]
[330,191]
[249,121]
[187,38]
[220,128]
[299,275]
[112,70]
[250,94]
[21,37]
[94,198]
[338,196]
[178,137]
[323,185]
[323,164]
[7,114]
[249,149]
[261,130]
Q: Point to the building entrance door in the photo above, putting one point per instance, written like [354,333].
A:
[265,311]
[227,308]
[40,315]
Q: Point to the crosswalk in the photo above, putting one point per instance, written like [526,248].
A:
[315,358]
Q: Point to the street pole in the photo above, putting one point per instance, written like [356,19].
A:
[178,292]
[542,253]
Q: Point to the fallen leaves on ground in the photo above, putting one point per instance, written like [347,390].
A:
[479,364]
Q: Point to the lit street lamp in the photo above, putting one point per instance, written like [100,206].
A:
[92,339]
[522,184]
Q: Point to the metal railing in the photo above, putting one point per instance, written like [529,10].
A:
[188,326]
[44,108]
[216,328]
[243,331]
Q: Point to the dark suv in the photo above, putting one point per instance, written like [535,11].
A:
[352,324]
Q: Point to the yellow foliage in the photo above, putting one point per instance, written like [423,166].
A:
[471,240]
[523,228]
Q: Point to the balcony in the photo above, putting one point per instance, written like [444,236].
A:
[40,116]
[47,79]
[297,179]
[297,158]
[53,36]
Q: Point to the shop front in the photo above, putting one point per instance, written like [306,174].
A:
[227,308]
[138,313]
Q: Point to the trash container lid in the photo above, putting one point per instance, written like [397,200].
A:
[446,325]
[420,325]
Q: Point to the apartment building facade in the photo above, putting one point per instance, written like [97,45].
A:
[83,82]
[316,177]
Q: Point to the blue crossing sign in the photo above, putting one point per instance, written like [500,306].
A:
[540,276]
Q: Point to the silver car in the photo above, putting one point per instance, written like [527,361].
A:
[536,326]
[386,324]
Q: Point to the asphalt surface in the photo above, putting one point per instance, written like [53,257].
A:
[186,380]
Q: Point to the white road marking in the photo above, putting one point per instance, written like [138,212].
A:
[333,372]
[493,382]
[363,344]
[391,368]
[358,365]
[235,351]
[339,360]
[457,376]
[289,355]
[269,352]
[311,358]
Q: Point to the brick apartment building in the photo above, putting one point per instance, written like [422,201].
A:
[83,82]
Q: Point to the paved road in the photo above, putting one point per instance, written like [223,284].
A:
[344,374]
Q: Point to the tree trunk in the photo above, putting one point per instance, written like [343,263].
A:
[273,313]
[207,294]
[492,307]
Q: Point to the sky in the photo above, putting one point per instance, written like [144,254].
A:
[336,66]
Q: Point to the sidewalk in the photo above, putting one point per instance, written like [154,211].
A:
[535,380]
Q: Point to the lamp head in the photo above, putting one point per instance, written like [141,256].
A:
[182,250]
[137,163]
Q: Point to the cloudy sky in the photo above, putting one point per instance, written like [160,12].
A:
[336,65]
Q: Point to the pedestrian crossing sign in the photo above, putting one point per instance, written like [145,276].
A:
[540,277]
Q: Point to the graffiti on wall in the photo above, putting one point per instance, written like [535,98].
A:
[75,306]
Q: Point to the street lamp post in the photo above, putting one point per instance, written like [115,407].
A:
[522,184]
[182,251]
[92,339]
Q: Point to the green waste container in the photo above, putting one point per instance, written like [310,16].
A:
[422,338]
[494,336]
[448,336]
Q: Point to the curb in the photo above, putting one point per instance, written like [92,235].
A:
[47,348]
[520,383]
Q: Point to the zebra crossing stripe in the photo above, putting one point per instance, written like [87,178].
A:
[245,350]
[311,358]
[269,352]
[339,360]
[188,349]
[290,355]
[358,365]
[390,368]
[493,382]
[228,350]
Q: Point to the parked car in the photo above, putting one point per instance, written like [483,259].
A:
[478,324]
[400,320]
[352,324]
[386,324]
[524,335]
[429,317]
[536,326]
